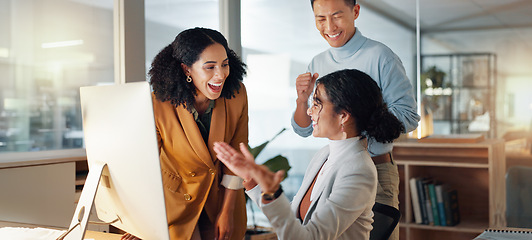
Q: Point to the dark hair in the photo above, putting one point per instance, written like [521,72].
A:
[350,3]
[168,79]
[358,94]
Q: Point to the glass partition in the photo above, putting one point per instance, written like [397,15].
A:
[167,18]
[48,49]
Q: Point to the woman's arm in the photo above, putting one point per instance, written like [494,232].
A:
[349,195]
[238,115]
[224,222]
[337,209]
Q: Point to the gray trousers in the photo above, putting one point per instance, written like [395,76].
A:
[388,189]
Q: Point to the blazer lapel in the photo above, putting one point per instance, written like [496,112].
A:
[193,134]
[217,130]
[360,146]
[312,206]
[309,178]
[319,190]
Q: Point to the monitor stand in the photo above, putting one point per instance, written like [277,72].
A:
[79,222]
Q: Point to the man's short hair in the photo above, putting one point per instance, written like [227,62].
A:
[350,3]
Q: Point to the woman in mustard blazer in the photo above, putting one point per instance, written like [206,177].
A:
[199,99]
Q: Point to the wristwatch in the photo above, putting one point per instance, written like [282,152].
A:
[272,196]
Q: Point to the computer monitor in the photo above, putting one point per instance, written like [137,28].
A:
[124,179]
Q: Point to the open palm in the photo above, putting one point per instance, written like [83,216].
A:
[243,164]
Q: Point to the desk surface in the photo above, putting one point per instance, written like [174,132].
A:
[88,235]
[24,159]
[102,236]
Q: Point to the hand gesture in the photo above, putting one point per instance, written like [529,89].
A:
[243,164]
[305,85]
[238,163]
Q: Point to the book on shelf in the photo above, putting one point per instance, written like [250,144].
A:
[505,234]
[434,203]
[450,200]
[439,200]
[415,201]
[428,204]
[421,199]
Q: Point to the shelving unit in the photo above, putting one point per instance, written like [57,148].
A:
[462,100]
[475,170]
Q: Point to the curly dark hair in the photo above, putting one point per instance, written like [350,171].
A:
[358,94]
[168,79]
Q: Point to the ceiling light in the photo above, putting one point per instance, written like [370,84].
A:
[62,44]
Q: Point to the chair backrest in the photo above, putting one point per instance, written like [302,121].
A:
[385,220]
[519,197]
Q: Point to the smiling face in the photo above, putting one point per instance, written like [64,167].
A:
[335,20]
[209,72]
[325,121]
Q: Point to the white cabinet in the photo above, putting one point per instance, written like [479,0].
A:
[40,194]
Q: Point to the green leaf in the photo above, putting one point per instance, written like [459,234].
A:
[256,150]
[278,163]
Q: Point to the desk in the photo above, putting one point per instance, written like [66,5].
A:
[39,188]
[88,235]
[102,236]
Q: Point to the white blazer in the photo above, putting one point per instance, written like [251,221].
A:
[343,199]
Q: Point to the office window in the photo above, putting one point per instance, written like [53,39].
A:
[48,49]
[279,39]
[167,18]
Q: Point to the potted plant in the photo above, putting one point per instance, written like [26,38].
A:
[275,164]
[432,85]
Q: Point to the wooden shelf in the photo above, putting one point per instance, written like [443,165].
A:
[442,164]
[475,170]
[466,227]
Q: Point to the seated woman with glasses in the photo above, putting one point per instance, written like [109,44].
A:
[340,183]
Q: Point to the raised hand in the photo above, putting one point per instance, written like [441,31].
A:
[304,85]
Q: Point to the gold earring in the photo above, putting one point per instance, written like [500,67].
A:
[189,79]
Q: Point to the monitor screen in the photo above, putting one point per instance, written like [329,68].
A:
[119,128]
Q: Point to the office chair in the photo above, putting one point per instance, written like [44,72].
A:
[385,220]
[519,197]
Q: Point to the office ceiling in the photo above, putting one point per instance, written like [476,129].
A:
[435,15]
[504,27]
[456,15]
[443,19]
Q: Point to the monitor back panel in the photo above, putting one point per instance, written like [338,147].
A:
[119,130]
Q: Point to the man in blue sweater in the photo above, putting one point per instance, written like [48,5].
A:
[335,20]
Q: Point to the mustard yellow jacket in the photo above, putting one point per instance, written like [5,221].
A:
[191,173]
